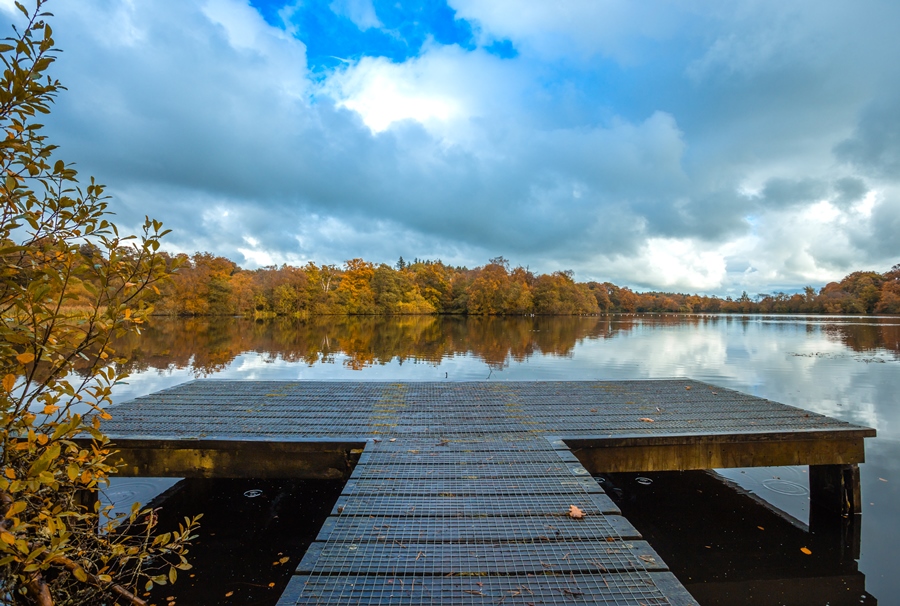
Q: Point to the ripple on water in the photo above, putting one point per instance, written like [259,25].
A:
[785,487]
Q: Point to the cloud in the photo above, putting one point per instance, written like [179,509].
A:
[673,148]
[360,12]
[784,193]
[874,147]
[849,191]
[883,240]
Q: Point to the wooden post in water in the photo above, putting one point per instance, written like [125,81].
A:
[835,489]
[835,505]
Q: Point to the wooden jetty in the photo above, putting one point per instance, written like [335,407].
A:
[460,493]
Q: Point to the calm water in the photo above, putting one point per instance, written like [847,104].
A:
[846,367]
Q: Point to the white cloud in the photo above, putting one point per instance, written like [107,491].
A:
[360,12]
[382,93]
[244,26]
[673,264]
[574,28]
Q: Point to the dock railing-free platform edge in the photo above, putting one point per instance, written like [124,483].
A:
[357,430]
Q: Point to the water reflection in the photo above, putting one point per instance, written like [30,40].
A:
[846,367]
[728,548]
[209,345]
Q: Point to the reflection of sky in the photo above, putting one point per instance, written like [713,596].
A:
[788,360]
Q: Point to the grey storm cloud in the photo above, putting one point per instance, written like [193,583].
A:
[790,192]
[220,131]
[849,190]
[874,147]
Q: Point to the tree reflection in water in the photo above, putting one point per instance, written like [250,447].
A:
[209,345]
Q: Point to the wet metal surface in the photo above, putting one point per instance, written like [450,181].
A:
[295,411]
[397,535]
[463,491]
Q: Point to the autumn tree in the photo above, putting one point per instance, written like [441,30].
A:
[889,301]
[434,283]
[495,291]
[558,294]
[57,545]
[203,287]
[355,290]
[322,282]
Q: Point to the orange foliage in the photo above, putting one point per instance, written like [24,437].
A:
[210,285]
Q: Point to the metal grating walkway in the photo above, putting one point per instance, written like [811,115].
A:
[462,491]
[401,534]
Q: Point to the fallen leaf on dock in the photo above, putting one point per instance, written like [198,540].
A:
[575,512]
[806,551]
[646,419]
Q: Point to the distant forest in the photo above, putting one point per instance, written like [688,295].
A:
[207,285]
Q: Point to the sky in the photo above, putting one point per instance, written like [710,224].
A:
[692,146]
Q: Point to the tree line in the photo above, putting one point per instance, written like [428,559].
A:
[207,285]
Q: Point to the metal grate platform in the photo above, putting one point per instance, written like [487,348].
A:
[462,492]
[407,539]
[550,590]
[478,559]
[527,529]
[464,486]
[215,409]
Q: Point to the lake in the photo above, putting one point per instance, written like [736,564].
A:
[841,366]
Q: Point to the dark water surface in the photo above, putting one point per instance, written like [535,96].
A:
[728,548]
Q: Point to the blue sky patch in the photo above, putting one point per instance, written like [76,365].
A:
[503,49]
[333,38]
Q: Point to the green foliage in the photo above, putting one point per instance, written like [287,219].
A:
[69,282]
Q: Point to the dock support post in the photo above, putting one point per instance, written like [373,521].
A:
[835,505]
[835,489]
[87,498]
